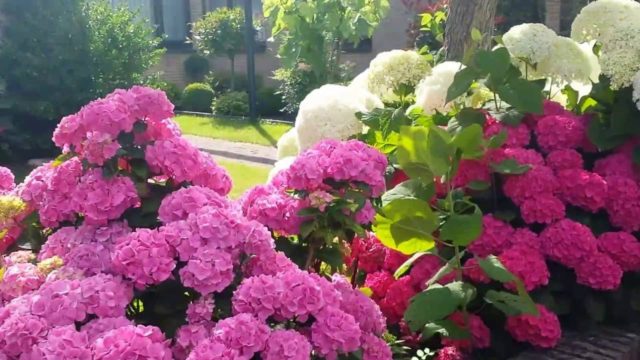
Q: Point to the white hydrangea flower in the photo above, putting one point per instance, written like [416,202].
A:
[529,42]
[288,144]
[390,69]
[280,165]
[567,61]
[431,92]
[329,112]
[599,19]
[361,81]
[620,55]
[636,89]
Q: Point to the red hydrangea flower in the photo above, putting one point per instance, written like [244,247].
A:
[528,265]
[564,159]
[494,238]
[568,242]
[396,302]
[541,331]
[622,247]
[535,182]
[582,188]
[556,132]
[543,209]
[599,272]
[480,333]
[379,283]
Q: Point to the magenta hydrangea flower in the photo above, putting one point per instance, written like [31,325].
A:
[304,295]
[556,132]
[621,247]
[144,256]
[397,299]
[59,302]
[424,269]
[471,171]
[543,209]
[517,136]
[582,188]
[274,208]
[393,259]
[374,348]
[258,238]
[218,228]
[101,200]
[63,343]
[207,350]
[474,272]
[95,328]
[526,237]
[200,310]
[158,130]
[243,333]
[179,204]
[287,345]
[528,265]
[379,283]
[175,158]
[132,342]
[19,333]
[542,331]
[480,333]
[520,155]
[568,242]
[269,263]
[450,353]
[335,332]
[356,304]
[564,159]
[208,271]
[535,182]
[91,258]
[99,148]
[149,104]
[599,271]
[623,203]
[260,295]
[7,180]
[369,253]
[188,337]
[106,295]
[495,237]
[365,215]
[19,279]
[617,164]
[212,176]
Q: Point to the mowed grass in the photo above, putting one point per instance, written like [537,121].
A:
[238,130]
[244,176]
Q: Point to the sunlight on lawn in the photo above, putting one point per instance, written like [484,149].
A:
[244,176]
[238,130]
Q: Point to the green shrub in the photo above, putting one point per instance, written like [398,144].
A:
[197,97]
[196,67]
[221,81]
[295,84]
[231,103]
[269,102]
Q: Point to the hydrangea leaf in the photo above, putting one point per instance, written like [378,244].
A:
[461,83]
[445,328]
[511,304]
[523,95]
[493,267]
[410,189]
[406,225]
[437,302]
[462,229]
[510,167]
[402,269]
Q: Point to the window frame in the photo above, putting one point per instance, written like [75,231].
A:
[157,9]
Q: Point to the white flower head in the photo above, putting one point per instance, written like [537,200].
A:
[391,69]
[636,89]
[361,81]
[288,144]
[431,92]
[280,165]
[529,42]
[329,112]
[620,55]
[568,62]
[599,19]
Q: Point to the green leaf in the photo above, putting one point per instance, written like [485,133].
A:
[510,117]
[307,227]
[439,150]
[461,83]
[402,269]
[478,185]
[435,303]
[445,328]
[446,269]
[510,167]
[476,35]
[410,189]
[511,304]
[332,256]
[424,152]
[461,230]
[601,136]
[470,140]
[495,63]
[406,225]
[469,116]
[493,267]
[523,95]
[498,139]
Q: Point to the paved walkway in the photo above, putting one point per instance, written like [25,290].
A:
[249,153]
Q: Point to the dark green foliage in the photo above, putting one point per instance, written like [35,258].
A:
[197,97]
[269,102]
[295,84]
[231,103]
[221,81]
[197,67]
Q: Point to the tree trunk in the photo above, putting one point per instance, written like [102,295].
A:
[232,85]
[464,16]
[553,14]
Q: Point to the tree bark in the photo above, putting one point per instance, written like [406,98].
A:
[465,15]
[553,14]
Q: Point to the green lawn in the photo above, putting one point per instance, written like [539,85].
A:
[244,176]
[263,133]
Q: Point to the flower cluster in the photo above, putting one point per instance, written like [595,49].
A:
[431,92]
[390,70]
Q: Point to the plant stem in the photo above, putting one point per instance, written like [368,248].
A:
[311,256]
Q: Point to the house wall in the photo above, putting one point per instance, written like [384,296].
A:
[389,35]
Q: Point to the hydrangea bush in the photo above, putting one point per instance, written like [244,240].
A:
[137,252]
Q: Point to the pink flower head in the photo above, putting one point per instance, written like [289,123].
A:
[474,272]
[374,348]
[320,199]
[287,345]
[528,265]
[175,158]
[200,310]
[18,257]
[99,147]
[260,296]
[621,247]
[535,182]
[525,237]
[379,282]
[132,342]
[188,337]
[355,161]
[208,350]
[494,238]
[63,343]
[19,279]
[149,104]
[599,271]
[623,203]
[356,304]
[542,331]
[335,332]
[450,353]
[179,204]
[582,188]
[304,295]
[425,268]
[521,156]
[543,209]
[208,271]
[108,116]
[617,164]
[471,171]
[59,302]
[243,333]
[369,253]
[7,180]
[556,132]
[365,215]
[480,333]
[106,295]
[144,256]
[212,175]
[517,136]
[396,301]
[218,228]
[564,159]
[96,328]
[258,239]
[274,208]
[158,130]
[568,242]
[18,334]
[393,259]
[269,263]
[101,200]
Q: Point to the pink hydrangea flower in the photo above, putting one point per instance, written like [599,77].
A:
[379,282]
[556,132]
[101,199]
[474,272]
[617,164]
[623,203]
[471,171]
[304,296]
[208,271]
[59,302]
[99,147]
[480,333]
[397,299]
[212,175]
[243,333]
[260,295]
[174,157]
[274,208]
[494,238]
[520,155]
[369,253]
[526,237]
[188,337]
[568,242]
[287,345]
[365,215]
[621,247]
[599,271]
[149,104]
[425,268]
[19,279]
[564,159]
[95,328]
[528,265]
[218,228]
[517,136]
[374,348]
[393,259]
[542,331]
[208,350]
[179,204]
[158,130]
[200,310]
[335,332]
[144,256]
[543,209]
[582,188]
[91,258]
[63,343]
[535,182]
[269,263]
[139,342]
[450,353]
[7,180]
[18,257]
[356,304]
[18,334]
[106,295]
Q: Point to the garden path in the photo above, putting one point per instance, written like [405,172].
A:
[249,153]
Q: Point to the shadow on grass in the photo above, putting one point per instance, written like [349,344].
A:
[241,124]
[264,134]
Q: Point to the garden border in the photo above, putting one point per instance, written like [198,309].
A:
[232,117]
